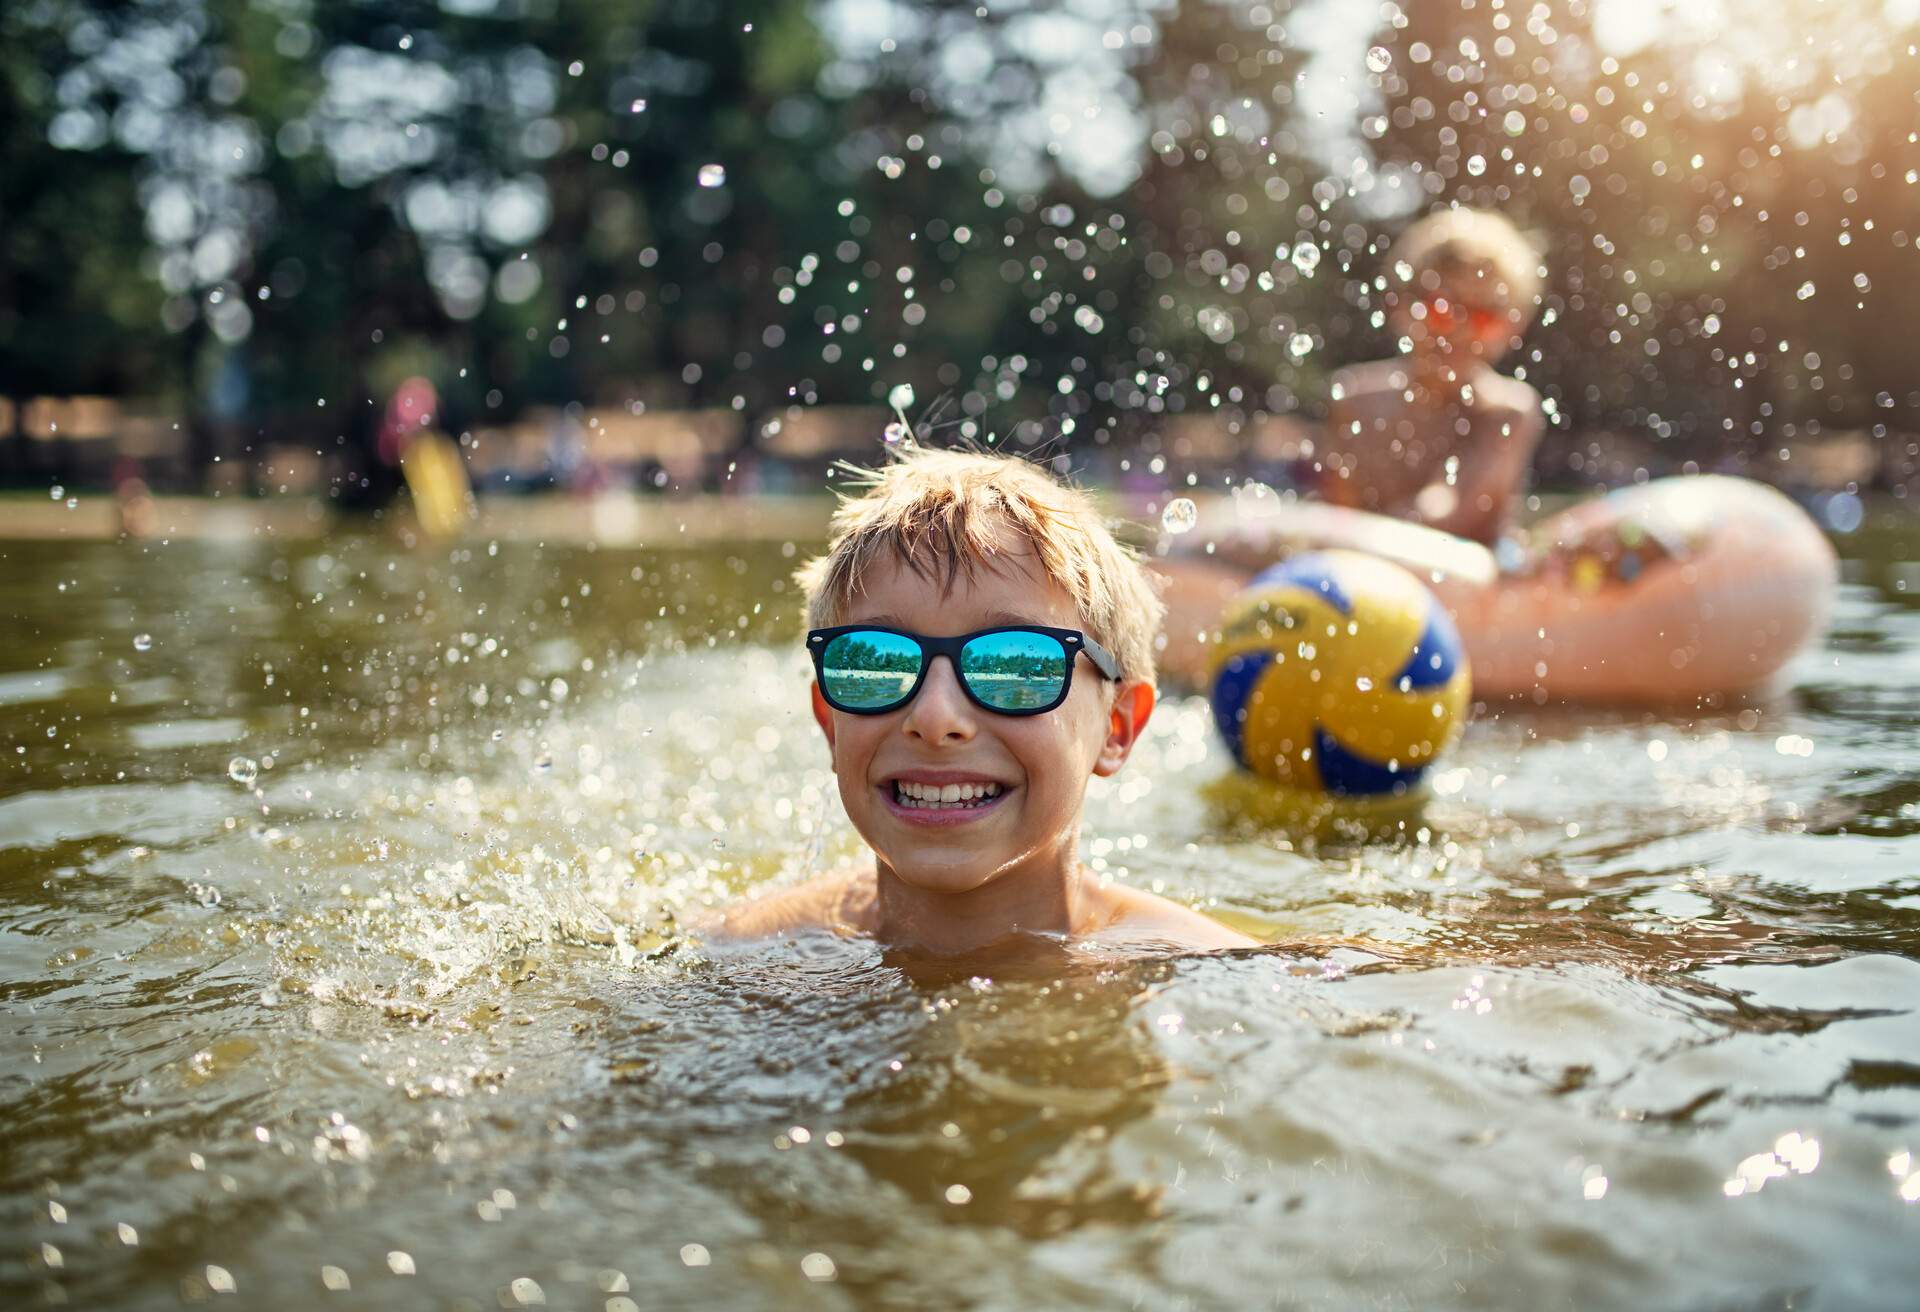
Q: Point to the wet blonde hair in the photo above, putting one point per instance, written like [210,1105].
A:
[1481,245]
[937,513]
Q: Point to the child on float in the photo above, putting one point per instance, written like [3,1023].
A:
[1436,435]
[982,646]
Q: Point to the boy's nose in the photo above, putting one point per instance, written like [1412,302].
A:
[941,712]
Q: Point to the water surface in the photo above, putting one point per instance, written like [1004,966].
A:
[339,893]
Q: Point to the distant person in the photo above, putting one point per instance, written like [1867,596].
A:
[982,647]
[366,480]
[135,514]
[1435,435]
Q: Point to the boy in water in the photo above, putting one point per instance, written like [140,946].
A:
[982,646]
[1436,435]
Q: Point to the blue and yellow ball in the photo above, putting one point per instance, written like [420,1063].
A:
[1339,672]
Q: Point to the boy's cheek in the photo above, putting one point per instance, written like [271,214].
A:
[822,714]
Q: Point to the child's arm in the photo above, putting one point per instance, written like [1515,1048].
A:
[1479,503]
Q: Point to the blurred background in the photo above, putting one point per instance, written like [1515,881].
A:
[675,245]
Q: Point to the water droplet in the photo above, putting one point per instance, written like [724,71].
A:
[1180,515]
[639,106]
[1379,59]
[243,770]
[498,734]
[55,492]
[900,397]
[143,642]
[543,763]
[1806,290]
[894,434]
[1300,345]
[1306,257]
[713,175]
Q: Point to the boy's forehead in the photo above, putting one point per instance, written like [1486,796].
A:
[1010,586]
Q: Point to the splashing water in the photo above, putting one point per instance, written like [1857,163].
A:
[1180,516]
[445,995]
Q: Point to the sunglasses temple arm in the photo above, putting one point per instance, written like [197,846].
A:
[1102,659]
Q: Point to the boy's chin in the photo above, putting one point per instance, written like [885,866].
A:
[951,878]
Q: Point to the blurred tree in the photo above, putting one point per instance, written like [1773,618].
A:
[1061,225]
[77,313]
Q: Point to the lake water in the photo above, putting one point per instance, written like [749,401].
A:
[338,892]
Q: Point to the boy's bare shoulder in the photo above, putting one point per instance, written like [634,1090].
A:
[1143,915]
[840,901]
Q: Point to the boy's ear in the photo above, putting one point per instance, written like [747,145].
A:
[822,713]
[1132,707]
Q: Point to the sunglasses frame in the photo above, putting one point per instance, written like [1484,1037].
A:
[1460,314]
[1072,640]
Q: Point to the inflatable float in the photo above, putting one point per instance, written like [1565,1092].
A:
[1679,590]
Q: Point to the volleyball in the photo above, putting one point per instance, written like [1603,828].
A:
[1338,672]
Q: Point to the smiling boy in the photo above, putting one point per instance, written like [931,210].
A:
[982,647]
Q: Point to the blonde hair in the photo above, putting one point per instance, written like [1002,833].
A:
[937,512]
[1480,244]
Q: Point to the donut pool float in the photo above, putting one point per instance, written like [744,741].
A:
[1687,589]
[1681,589]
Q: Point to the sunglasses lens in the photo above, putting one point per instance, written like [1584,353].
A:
[1015,671]
[869,669]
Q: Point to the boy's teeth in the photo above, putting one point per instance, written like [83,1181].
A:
[943,795]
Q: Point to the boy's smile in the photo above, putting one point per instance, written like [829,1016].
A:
[952,797]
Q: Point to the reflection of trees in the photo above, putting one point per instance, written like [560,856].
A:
[855,655]
[1014,662]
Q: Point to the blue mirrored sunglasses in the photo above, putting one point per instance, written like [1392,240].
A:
[864,669]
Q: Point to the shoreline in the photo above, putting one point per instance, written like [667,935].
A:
[618,519]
